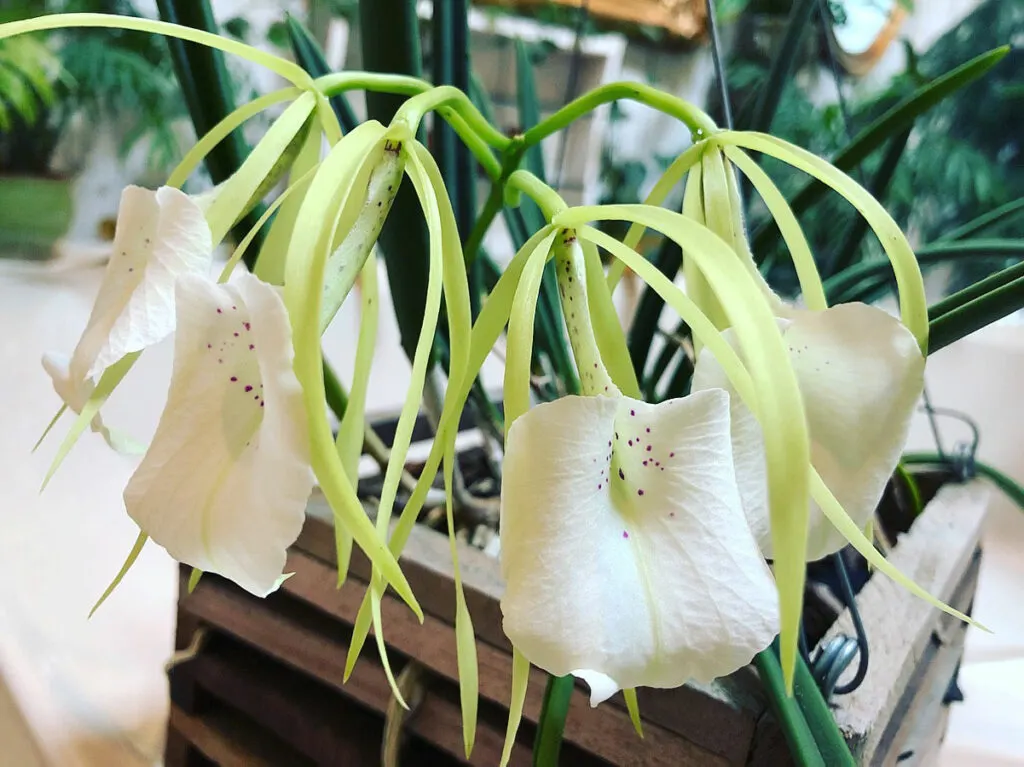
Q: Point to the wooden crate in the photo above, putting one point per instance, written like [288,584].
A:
[266,687]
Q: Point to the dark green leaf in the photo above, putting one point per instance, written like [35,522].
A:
[895,120]
[309,56]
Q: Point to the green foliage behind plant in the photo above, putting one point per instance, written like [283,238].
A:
[92,74]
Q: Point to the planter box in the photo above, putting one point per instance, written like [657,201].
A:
[265,686]
[34,214]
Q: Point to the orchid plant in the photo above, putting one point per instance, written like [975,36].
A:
[636,537]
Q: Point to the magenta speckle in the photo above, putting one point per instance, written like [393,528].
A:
[247,326]
[252,346]
[632,412]
[234,379]
[219,310]
[621,474]
[248,388]
[257,398]
[209,346]
[648,448]
[220,362]
[672,514]
[236,335]
[599,485]
[234,308]
[625,534]
[261,404]
[639,492]
[631,443]
[671,455]
[648,429]
[645,463]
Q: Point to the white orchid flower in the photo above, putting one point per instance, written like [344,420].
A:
[625,550]
[860,370]
[160,236]
[224,484]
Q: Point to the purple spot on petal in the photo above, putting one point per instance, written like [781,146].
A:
[631,443]
[621,475]
[234,378]
[671,455]
[639,492]
[648,429]
[209,346]
[648,448]
[247,326]
[248,388]
[671,513]
[236,335]
[252,346]
[598,485]
[625,534]
[645,463]
[632,412]
[219,310]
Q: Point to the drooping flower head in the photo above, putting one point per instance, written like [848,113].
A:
[625,551]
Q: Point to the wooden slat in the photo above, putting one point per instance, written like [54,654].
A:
[718,718]
[684,18]
[917,723]
[604,731]
[229,741]
[320,653]
[935,554]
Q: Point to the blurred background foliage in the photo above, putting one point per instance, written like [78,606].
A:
[50,83]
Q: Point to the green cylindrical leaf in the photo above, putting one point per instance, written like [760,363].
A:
[551,726]
[309,56]
[206,87]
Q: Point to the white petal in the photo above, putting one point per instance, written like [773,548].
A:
[861,374]
[225,483]
[76,393]
[602,686]
[160,236]
[650,577]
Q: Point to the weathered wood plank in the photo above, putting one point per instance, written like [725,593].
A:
[684,18]
[228,741]
[935,553]
[718,718]
[319,650]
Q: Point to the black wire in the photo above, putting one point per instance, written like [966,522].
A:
[858,626]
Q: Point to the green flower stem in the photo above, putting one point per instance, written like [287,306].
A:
[413,111]
[788,713]
[819,718]
[551,726]
[493,205]
[697,121]
[467,122]
[1005,483]
[976,314]
[547,199]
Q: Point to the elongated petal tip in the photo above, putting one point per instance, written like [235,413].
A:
[624,546]
[225,483]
